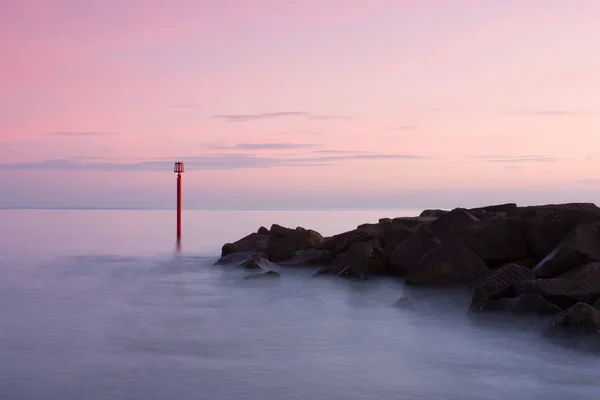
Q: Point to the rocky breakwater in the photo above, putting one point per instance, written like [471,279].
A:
[534,260]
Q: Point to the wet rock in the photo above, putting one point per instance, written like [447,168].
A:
[580,246]
[267,274]
[562,292]
[361,260]
[261,263]
[579,319]
[497,282]
[310,257]
[451,262]
[284,242]
[524,304]
[253,242]
[239,258]
[451,224]
[408,253]
[497,239]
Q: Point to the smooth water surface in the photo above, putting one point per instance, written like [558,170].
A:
[98,305]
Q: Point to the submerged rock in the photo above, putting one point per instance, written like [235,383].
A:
[239,258]
[579,319]
[267,274]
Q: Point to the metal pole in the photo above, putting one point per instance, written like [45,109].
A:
[178,206]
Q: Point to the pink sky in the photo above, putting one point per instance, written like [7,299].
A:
[273,103]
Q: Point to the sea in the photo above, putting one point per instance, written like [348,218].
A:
[103,305]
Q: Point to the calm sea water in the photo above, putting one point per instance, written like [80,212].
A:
[98,305]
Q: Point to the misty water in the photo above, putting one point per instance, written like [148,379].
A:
[99,305]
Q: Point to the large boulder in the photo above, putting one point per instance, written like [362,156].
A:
[562,292]
[498,282]
[285,242]
[524,304]
[414,222]
[589,273]
[433,213]
[361,260]
[497,239]
[339,243]
[408,253]
[451,224]
[451,262]
[256,242]
[580,246]
[239,258]
[496,208]
[579,319]
[310,257]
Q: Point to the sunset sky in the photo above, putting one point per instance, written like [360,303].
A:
[291,104]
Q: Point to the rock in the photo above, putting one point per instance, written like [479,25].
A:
[261,263]
[524,304]
[267,274]
[339,243]
[239,258]
[263,231]
[453,223]
[284,242]
[580,246]
[385,220]
[253,242]
[562,292]
[449,263]
[497,282]
[408,253]
[579,319]
[497,239]
[589,273]
[413,222]
[498,208]
[433,213]
[389,234]
[359,261]
[597,304]
[310,257]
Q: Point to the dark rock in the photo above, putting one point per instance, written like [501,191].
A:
[562,292]
[284,242]
[524,304]
[390,235]
[261,263]
[310,257]
[408,253]
[385,220]
[451,224]
[499,281]
[432,213]
[498,208]
[589,273]
[413,222]
[579,319]
[267,274]
[451,262]
[339,243]
[239,258]
[359,261]
[497,239]
[252,242]
[580,246]
[263,231]
[597,304]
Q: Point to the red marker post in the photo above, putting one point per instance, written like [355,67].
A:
[178,170]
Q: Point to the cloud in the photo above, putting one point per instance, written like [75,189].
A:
[497,158]
[302,132]
[206,162]
[265,146]
[278,114]
[547,113]
[252,117]
[185,106]
[339,151]
[403,128]
[81,134]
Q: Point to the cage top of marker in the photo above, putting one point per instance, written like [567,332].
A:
[178,167]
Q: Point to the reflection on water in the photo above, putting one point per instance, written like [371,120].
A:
[116,325]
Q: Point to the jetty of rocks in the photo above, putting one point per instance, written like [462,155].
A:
[536,260]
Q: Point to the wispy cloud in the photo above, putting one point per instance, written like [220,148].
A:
[278,114]
[265,146]
[403,128]
[206,162]
[302,133]
[547,113]
[333,151]
[252,117]
[498,158]
[185,106]
[81,134]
